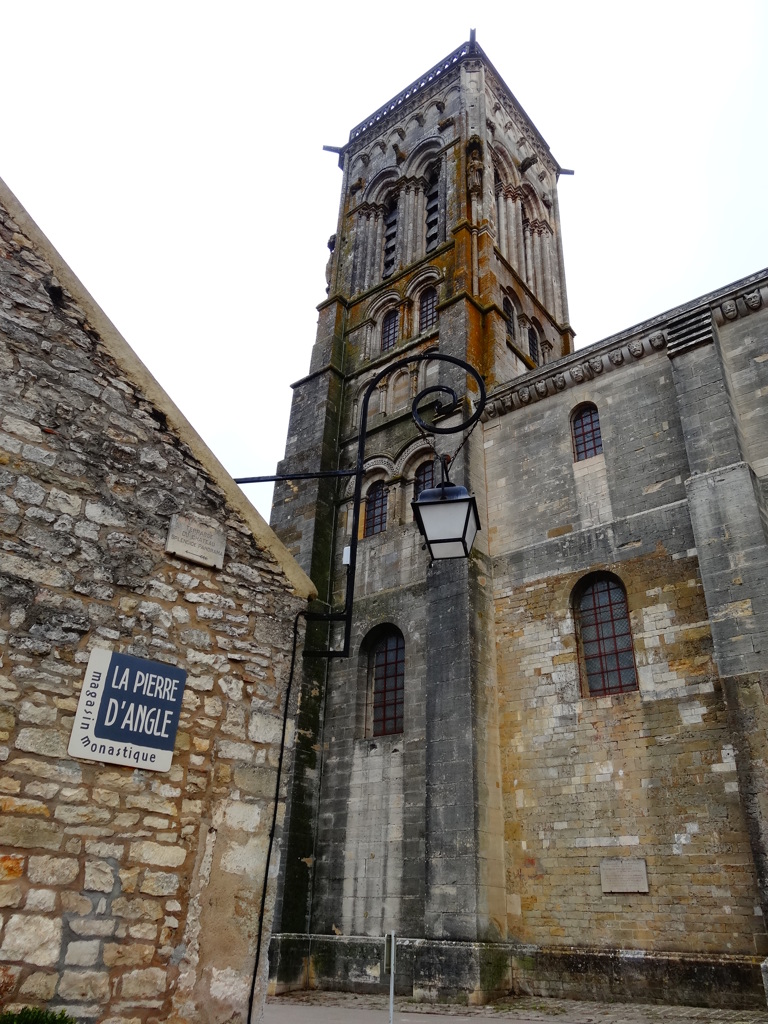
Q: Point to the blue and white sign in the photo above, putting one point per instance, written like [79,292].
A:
[128,711]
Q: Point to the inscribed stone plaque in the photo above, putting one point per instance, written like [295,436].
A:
[196,542]
[623,874]
[128,711]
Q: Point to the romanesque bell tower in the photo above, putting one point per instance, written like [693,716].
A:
[449,239]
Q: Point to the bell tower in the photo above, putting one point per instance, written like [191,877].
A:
[448,239]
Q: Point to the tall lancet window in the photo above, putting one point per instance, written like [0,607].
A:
[427,309]
[607,658]
[433,210]
[509,317]
[390,237]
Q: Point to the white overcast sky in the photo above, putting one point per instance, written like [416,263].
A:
[172,152]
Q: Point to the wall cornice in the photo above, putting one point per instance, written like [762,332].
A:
[677,330]
[571,371]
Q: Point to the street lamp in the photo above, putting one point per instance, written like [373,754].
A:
[446,515]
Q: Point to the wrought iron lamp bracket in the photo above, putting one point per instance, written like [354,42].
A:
[443,409]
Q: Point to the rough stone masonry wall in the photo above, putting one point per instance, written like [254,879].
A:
[126,895]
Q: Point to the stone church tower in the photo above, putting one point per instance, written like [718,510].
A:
[531,758]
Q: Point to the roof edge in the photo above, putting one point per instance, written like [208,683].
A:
[466,51]
[133,367]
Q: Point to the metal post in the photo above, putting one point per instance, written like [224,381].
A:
[392,979]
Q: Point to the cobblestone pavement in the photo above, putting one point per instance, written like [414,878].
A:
[347,1008]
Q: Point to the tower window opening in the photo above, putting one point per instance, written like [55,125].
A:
[509,316]
[375,510]
[585,429]
[533,345]
[433,212]
[387,667]
[390,329]
[605,638]
[427,309]
[390,238]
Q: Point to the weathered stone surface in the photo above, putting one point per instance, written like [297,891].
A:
[137,909]
[11,894]
[53,870]
[83,953]
[93,926]
[32,939]
[157,853]
[130,954]
[143,984]
[30,834]
[11,866]
[84,986]
[39,985]
[40,899]
[44,742]
[99,876]
[161,883]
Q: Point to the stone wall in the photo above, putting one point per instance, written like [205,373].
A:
[126,894]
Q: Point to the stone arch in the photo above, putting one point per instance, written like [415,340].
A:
[381,185]
[504,165]
[424,155]
[424,277]
[376,468]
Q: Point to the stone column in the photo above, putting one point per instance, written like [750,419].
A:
[511,220]
[733,561]
[519,236]
[501,223]
[549,292]
[408,224]
[373,265]
[538,263]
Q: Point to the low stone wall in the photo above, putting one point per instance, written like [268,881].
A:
[433,971]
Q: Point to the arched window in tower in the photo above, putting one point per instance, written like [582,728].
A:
[606,654]
[375,509]
[533,345]
[390,237]
[585,430]
[509,315]
[424,478]
[427,309]
[386,671]
[432,209]
[390,329]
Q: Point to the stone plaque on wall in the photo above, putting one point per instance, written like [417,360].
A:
[196,542]
[623,874]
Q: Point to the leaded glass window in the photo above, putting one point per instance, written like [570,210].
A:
[587,439]
[605,637]
[387,667]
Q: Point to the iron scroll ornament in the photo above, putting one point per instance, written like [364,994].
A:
[443,389]
[442,409]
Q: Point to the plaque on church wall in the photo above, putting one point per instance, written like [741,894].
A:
[623,874]
[196,542]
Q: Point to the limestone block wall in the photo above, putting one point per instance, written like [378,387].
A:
[648,775]
[125,894]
